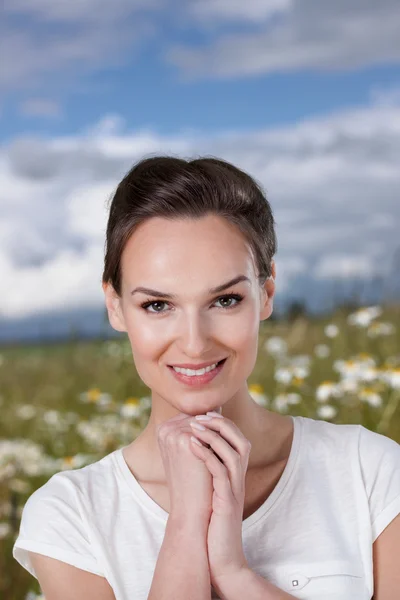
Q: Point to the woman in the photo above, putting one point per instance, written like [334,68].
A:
[255,504]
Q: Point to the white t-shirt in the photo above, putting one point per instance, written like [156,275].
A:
[312,537]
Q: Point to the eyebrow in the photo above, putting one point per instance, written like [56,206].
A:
[215,290]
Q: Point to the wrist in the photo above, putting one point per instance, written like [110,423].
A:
[188,523]
[225,583]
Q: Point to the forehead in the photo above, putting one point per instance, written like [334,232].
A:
[168,250]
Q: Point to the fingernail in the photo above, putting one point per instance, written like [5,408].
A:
[203,418]
[198,426]
[195,440]
[215,414]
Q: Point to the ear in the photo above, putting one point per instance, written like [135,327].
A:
[114,309]
[267,294]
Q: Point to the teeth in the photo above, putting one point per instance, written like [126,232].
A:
[192,373]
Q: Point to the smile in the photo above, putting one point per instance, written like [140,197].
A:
[200,377]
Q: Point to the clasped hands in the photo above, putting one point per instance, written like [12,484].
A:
[227,460]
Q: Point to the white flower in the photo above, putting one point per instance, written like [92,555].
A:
[256,391]
[338,365]
[145,402]
[276,346]
[392,377]
[301,360]
[362,366]
[377,329]
[104,399]
[131,409]
[301,372]
[52,417]
[294,398]
[322,350]
[25,411]
[369,374]
[327,411]
[283,375]
[370,397]
[95,396]
[331,330]
[348,386]
[5,530]
[281,402]
[22,457]
[327,389]
[364,316]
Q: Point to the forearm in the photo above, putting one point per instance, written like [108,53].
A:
[248,584]
[182,570]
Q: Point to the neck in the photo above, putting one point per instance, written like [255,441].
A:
[257,424]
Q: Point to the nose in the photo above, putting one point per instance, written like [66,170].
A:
[194,336]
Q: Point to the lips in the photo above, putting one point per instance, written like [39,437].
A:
[200,366]
[198,380]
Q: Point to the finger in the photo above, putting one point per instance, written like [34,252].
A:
[221,482]
[229,431]
[230,458]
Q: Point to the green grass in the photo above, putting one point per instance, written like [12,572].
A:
[43,403]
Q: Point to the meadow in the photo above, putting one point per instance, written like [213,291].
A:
[64,406]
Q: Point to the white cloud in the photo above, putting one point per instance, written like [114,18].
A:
[333,184]
[237,10]
[45,43]
[309,34]
[84,217]
[345,266]
[287,267]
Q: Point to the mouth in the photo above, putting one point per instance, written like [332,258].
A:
[199,379]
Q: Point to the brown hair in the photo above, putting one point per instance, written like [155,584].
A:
[175,188]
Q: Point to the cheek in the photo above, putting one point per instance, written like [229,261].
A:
[241,337]
[145,338]
[243,330]
[246,340]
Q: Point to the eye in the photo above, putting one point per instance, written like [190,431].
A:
[147,304]
[237,297]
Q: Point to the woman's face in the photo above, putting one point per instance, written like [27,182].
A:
[187,258]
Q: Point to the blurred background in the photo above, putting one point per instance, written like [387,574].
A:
[302,94]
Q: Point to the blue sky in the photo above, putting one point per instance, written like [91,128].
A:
[150,95]
[304,94]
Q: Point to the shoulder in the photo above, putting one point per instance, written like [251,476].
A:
[324,439]
[375,452]
[380,467]
[55,519]
[375,456]
[71,485]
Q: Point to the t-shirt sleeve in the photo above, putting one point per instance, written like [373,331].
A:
[380,466]
[53,524]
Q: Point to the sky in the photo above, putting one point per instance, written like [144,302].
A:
[303,94]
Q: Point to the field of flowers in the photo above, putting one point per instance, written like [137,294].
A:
[65,406]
